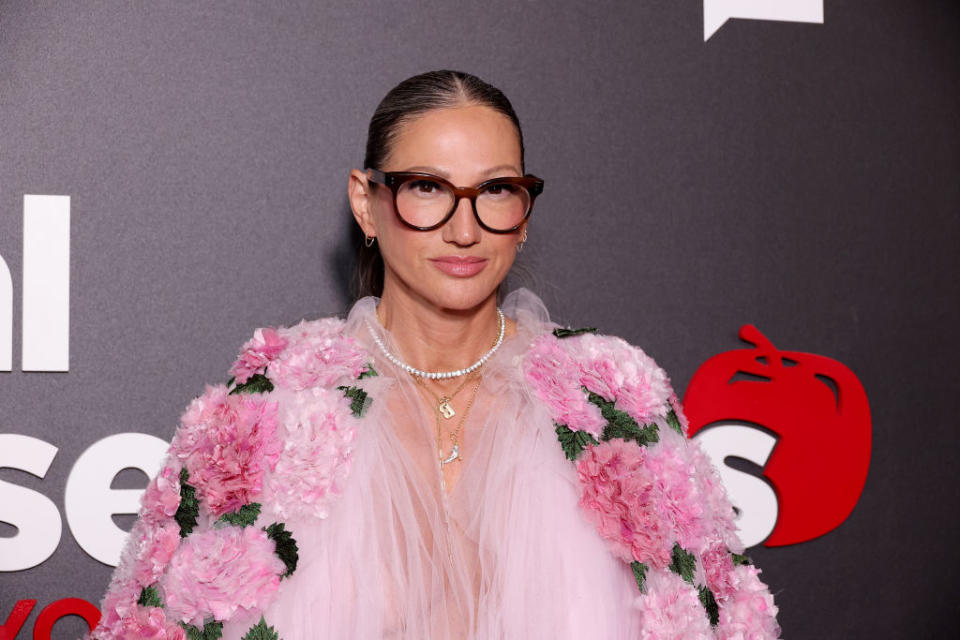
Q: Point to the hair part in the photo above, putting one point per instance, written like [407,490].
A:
[412,98]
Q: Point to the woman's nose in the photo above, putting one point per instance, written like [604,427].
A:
[462,228]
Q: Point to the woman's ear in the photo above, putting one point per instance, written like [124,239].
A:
[522,235]
[358,191]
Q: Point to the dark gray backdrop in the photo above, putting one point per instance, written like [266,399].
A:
[800,177]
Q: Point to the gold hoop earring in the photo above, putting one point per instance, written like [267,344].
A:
[369,240]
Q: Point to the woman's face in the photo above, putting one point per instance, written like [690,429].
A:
[459,265]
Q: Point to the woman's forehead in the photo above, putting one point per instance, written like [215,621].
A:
[473,139]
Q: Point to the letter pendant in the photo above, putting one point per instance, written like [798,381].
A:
[445,409]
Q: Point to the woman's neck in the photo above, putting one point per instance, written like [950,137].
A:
[435,339]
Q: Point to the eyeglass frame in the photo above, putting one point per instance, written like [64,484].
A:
[395,179]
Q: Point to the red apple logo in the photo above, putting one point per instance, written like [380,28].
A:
[818,410]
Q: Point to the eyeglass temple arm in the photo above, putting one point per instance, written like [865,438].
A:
[377,176]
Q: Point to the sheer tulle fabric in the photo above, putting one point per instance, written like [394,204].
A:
[505,553]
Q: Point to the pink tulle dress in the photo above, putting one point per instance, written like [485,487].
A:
[384,548]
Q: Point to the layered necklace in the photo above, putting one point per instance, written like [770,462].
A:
[443,407]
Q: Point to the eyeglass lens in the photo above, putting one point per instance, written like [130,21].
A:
[423,203]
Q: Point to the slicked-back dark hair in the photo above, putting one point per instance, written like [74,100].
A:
[409,99]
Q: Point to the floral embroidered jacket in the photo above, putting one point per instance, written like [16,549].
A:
[213,545]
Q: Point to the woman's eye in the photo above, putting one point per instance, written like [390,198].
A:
[425,186]
[500,189]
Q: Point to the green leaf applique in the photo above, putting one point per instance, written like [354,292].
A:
[683,563]
[261,631]
[359,400]
[621,424]
[569,333]
[149,597]
[640,575]
[573,442]
[257,383]
[739,559]
[286,546]
[709,603]
[242,517]
[369,372]
[674,422]
[211,631]
[189,509]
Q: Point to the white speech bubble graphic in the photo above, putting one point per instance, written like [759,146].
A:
[717,12]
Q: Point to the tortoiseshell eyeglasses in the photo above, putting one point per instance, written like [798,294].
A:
[426,202]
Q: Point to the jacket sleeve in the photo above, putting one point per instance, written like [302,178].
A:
[652,493]
[172,580]
[210,544]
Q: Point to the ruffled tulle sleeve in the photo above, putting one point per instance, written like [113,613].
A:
[210,544]
[651,493]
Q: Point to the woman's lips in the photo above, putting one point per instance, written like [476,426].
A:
[460,267]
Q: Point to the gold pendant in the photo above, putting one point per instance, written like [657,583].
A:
[454,454]
[445,409]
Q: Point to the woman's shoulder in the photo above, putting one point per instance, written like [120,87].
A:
[312,353]
[280,431]
[651,493]
[584,376]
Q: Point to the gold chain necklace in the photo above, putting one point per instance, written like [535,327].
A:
[445,409]
[443,402]
[454,436]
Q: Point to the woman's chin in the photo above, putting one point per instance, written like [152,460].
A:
[462,294]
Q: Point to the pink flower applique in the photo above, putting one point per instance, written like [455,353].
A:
[677,492]
[671,610]
[148,622]
[227,443]
[619,495]
[317,354]
[554,376]
[318,430]
[162,498]
[622,373]
[155,547]
[559,370]
[219,571]
[119,602]
[749,612]
[265,345]
[718,569]
[714,496]
[642,499]
[123,619]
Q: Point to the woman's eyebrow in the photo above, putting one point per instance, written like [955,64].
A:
[425,169]
[444,174]
[499,168]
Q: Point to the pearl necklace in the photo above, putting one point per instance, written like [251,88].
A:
[440,375]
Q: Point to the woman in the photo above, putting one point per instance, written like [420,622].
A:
[433,466]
